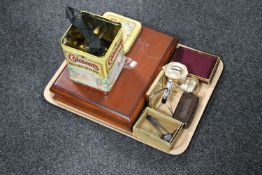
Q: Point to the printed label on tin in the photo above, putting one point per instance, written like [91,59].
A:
[83,76]
[89,75]
[78,61]
[113,55]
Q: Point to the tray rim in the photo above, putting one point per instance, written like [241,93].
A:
[48,95]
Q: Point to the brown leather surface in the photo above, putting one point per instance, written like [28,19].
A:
[125,101]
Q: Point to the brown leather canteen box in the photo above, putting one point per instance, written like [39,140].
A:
[123,104]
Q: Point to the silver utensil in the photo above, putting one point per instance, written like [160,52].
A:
[165,135]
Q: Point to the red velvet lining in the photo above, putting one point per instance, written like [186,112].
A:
[197,63]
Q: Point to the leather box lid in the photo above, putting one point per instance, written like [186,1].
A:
[151,50]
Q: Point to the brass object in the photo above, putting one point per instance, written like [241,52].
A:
[149,133]
[156,90]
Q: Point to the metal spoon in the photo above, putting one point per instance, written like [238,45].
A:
[165,135]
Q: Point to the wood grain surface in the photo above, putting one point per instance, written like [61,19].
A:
[122,105]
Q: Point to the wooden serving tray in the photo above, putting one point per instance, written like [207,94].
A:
[184,139]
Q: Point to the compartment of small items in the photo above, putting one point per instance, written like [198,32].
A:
[157,129]
[175,91]
[155,94]
[179,105]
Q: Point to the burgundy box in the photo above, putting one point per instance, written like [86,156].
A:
[199,64]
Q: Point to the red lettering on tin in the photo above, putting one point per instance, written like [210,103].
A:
[113,54]
[75,59]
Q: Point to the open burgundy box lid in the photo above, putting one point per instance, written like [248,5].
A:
[199,64]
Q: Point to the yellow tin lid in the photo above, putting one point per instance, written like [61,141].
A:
[131,28]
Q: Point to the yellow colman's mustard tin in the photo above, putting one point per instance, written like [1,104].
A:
[99,72]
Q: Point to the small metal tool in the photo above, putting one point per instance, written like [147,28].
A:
[165,135]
